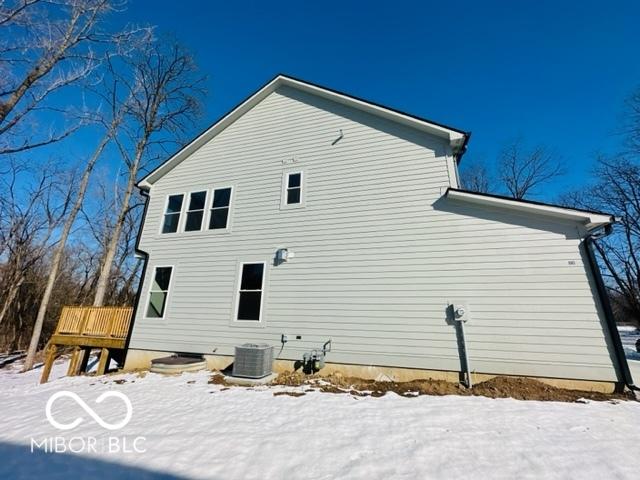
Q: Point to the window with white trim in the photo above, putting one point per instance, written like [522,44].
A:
[294,188]
[220,207]
[172,212]
[195,212]
[250,292]
[159,292]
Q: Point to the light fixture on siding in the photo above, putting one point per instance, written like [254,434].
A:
[283,255]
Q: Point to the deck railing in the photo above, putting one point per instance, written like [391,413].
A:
[109,322]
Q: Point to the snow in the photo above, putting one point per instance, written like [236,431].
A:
[192,429]
[629,336]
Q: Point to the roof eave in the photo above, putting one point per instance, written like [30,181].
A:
[590,220]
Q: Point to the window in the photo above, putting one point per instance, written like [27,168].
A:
[294,188]
[172,214]
[250,292]
[219,218]
[195,213]
[159,292]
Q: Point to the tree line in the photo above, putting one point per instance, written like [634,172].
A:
[120,98]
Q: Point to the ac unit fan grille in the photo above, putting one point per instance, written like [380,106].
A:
[253,360]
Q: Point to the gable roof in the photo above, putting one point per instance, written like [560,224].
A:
[590,219]
[457,139]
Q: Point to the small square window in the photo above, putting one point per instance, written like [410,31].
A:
[293,188]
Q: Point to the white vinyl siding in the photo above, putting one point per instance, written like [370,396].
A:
[378,254]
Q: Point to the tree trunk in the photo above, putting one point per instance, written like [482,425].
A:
[112,246]
[13,291]
[59,250]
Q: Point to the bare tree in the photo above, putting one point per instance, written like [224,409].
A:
[631,125]
[523,171]
[111,127]
[617,191]
[165,99]
[475,177]
[46,47]
[28,218]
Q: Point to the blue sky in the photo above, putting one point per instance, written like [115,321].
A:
[551,72]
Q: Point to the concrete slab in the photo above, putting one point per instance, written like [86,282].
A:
[250,382]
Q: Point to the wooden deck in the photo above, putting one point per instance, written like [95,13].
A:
[86,328]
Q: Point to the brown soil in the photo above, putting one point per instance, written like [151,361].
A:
[529,389]
[498,387]
[217,379]
[291,394]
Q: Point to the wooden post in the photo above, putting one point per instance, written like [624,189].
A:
[104,361]
[84,360]
[50,357]
[76,361]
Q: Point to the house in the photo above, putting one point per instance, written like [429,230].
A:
[306,215]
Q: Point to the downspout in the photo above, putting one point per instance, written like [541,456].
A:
[610,320]
[145,258]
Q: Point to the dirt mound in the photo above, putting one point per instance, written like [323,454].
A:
[529,389]
[290,394]
[407,389]
[498,387]
[294,379]
[217,379]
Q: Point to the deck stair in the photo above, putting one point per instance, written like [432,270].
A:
[86,328]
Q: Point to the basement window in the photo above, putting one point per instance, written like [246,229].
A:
[249,305]
[172,214]
[158,292]
[220,206]
[195,213]
[294,188]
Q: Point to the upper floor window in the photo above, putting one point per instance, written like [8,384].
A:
[220,205]
[195,212]
[172,214]
[158,292]
[294,188]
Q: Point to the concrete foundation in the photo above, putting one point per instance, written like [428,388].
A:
[141,360]
[250,382]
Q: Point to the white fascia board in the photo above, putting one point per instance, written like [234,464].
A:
[454,138]
[590,220]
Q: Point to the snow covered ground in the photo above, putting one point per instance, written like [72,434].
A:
[184,427]
[629,336]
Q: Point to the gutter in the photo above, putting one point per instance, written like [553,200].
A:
[463,148]
[610,320]
[145,258]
